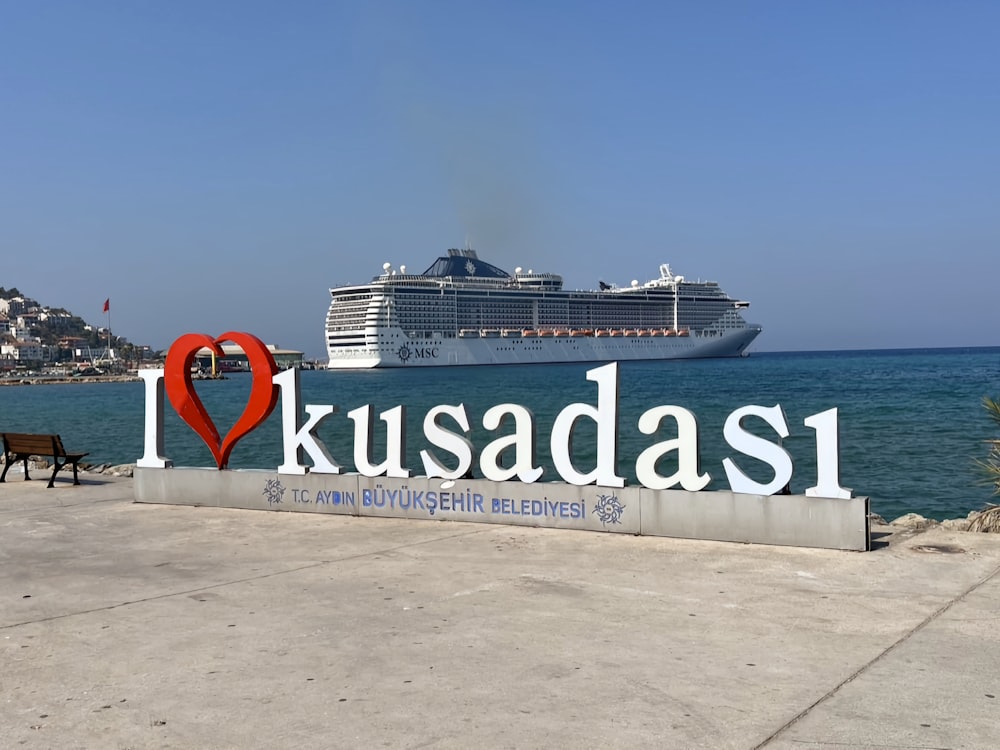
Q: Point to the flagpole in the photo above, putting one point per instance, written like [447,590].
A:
[107,309]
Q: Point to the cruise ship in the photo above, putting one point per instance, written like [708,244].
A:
[465,311]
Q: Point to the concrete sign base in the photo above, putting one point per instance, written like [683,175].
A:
[792,520]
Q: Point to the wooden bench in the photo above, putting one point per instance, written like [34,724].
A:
[20,446]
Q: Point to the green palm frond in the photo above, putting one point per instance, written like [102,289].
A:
[990,466]
[992,407]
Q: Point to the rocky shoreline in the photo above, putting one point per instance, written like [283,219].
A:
[33,380]
[986,521]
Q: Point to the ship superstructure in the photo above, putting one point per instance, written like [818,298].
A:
[465,311]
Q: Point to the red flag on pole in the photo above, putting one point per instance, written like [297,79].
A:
[107,305]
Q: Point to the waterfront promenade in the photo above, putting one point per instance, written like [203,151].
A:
[137,626]
[61,380]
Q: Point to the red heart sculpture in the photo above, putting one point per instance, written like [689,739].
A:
[180,389]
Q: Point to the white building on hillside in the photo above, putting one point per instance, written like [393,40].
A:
[23,351]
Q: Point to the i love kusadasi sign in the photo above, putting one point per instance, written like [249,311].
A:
[446,428]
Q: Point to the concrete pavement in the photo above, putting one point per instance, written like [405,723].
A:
[135,626]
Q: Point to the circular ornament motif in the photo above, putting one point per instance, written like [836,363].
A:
[609,509]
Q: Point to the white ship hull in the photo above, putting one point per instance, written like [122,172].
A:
[396,349]
[464,311]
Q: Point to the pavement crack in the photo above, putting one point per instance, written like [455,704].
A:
[868,665]
[248,579]
[827,743]
[39,510]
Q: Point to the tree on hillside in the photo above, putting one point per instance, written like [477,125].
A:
[54,328]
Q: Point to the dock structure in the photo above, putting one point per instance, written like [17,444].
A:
[236,359]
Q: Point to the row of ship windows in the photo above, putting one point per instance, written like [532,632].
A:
[707,292]
[493,318]
[701,296]
[450,326]
[494,311]
[525,321]
[453,302]
[557,309]
[622,344]
[548,310]
[463,309]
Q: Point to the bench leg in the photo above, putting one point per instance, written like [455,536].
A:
[76,479]
[3,476]
[55,470]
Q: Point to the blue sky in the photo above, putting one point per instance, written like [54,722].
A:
[219,165]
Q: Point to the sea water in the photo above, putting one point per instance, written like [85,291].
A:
[912,424]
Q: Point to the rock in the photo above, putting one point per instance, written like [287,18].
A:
[955,524]
[914,521]
[877,519]
[121,470]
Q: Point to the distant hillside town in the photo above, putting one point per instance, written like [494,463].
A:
[35,336]
[49,341]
